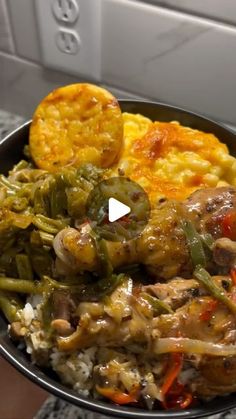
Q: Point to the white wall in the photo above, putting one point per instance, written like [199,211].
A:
[178,51]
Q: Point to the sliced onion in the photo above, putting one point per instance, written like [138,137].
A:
[59,247]
[186,345]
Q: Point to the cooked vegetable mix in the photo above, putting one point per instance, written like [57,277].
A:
[148,321]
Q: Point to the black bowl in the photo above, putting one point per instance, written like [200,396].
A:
[10,152]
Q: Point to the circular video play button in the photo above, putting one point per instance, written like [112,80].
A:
[118,209]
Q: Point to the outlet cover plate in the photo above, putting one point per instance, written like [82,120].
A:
[86,62]
[65,11]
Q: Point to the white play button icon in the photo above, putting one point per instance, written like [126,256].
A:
[116,210]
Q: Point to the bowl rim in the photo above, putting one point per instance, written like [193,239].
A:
[35,374]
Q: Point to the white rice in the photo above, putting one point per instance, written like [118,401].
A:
[28,314]
[35,337]
[76,369]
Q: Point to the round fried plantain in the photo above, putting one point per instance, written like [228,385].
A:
[76,124]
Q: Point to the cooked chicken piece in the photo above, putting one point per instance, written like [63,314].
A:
[176,292]
[219,371]
[162,247]
[197,320]
[141,321]
[139,329]
[224,252]
[207,207]
[205,389]
[217,376]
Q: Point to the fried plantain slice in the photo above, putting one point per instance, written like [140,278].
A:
[76,124]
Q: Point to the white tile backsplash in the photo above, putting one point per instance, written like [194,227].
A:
[219,9]
[153,52]
[6,41]
[170,57]
[22,16]
[24,84]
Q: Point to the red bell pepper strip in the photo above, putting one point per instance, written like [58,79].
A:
[118,396]
[228,225]
[188,398]
[173,372]
[233,275]
[177,397]
[208,312]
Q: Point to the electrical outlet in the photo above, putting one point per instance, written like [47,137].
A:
[67,41]
[65,11]
[74,45]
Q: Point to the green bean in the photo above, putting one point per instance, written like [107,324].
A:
[159,306]
[106,267]
[40,238]
[10,185]
[108,285]
[91,173]
[10,193]
[24,267]
[102,287]
[24,286]
[41,203]
[35,239]
[50,283]
[19,166]
[16,203]
[42,260]
[10,305]
[107,235]
[26,190]
[206,280]
[47,284]
[21,285]
[85,185]
[48,224]
[195,244]
[46,238]
[119,232]
[122,232]
[76,201]
[47,312]
[58,198]
[207,240]
[7,261]
[8,244]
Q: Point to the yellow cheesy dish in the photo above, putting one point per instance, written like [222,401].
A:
[170,160]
